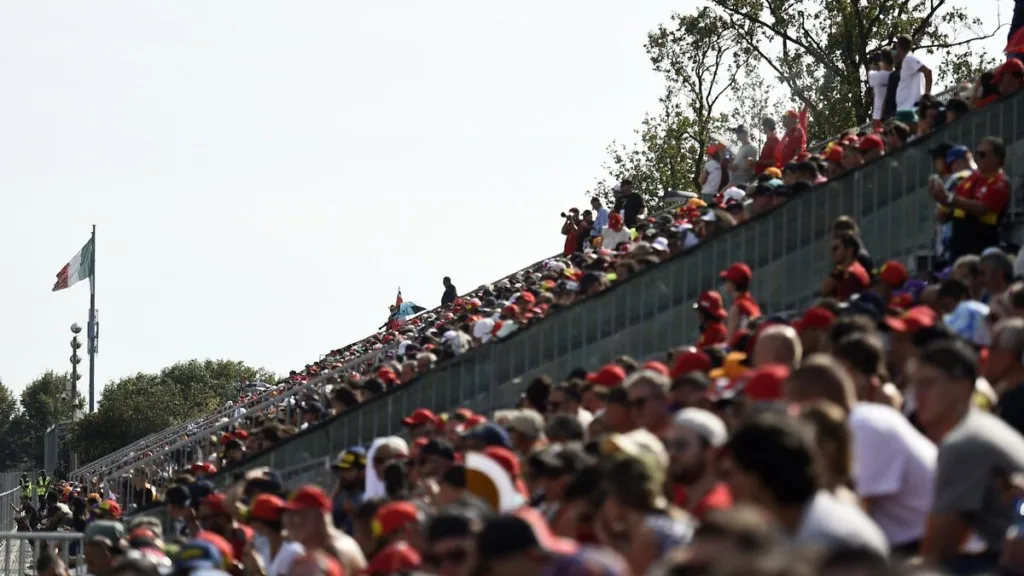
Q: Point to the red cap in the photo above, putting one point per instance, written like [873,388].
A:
[506,459]
[112,508]
[227,552]
[527,297]
[419,418]
[894,274]
[308,497]
[465,413]
[791,114]
[266,508]
[542,532]
[204,467]
[475,420]
[871,142]
[214,503]
[609,376]
[834,154]
[510,310]
[738,272]
[657,367]
[901,301]
[765,384]
[816,318]
[396,557]
[394,516]
[689,361]
[711,302]
[387,375]
[913,320]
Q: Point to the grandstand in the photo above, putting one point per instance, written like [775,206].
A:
[639,316]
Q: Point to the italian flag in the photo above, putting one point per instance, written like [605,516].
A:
[80,268]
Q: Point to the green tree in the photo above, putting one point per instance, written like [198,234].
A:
[44,402]
[142,404]
[821,51]
[701,62]
[9,456]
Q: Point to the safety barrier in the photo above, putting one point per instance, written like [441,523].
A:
[20,551]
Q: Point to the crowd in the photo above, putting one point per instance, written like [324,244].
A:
[879,432]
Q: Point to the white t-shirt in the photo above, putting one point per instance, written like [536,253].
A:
[879,81]
[831,524]
[894,465]
[282,563]
[911,86]
[714,181]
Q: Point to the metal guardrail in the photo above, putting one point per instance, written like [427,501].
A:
[788,249]
[19,551]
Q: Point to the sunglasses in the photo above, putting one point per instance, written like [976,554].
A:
[457,556]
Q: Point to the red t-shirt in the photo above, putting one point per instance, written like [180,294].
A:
[714,333]
[718,498]
[747,306]
[767,158]
[992,191]
[855,280]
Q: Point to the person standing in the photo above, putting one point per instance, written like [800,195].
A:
[915,77]
[571,231]
[711,176]
[600,216]
[741,172]
[450,294]
[878,79]
[629,203]
[771,144]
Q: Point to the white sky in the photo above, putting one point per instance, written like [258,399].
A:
[264,175]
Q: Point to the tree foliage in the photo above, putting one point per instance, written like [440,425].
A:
[728,60]
[820,51]
[44,402]
[142,404]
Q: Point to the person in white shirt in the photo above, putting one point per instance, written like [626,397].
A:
[711,176]
[878,79]
[915,77]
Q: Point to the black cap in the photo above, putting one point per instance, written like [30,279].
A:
[177,495]
[940,151]
[440,448]
[740,128]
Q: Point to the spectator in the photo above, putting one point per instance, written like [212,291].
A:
[771,463]
[771,143]
[1010,77]
[744,308]
[694,441]
[1005,370]
[915,77]
[571,231]
[848,277]
[744,164]
[828,424]
[270,554]
[648,393]
[600,218]
[977,453]
[450,294]
[616,233]
[307,520]
[628,203]
[711,309]
[712,178]
[956,108]
[585,227]
[794,141]
[777,344]
[878,79]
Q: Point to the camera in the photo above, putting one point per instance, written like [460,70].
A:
[564,215]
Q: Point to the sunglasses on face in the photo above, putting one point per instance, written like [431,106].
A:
[457,557]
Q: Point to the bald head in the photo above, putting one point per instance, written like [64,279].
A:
[1008,335]
[778,344]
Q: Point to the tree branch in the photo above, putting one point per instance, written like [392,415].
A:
[800,93]
[962,42]
[918,32]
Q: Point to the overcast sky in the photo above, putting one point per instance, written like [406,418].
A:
[264,175]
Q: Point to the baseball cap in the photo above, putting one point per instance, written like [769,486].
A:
[266,508]
[738,272]
[955,153]
[526,421]
[765,383]
[196,555]
[308,497]
[711,302]
[690,360]
[490,434]
[704,423]
[871,142]
[395,558]
[815,318]
[109,533]
[351,458]
[894,274]
[609,376]
[419,418]
[394,516]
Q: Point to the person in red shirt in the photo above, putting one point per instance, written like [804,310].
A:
[767,158]
[571,231]
[744,308]
[794,141]
[1010,77]
[978,202]
[711,308]
[849,277]
[693,443]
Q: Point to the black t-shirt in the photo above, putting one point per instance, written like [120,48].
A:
[449,295]
[1011,408]
[632,205]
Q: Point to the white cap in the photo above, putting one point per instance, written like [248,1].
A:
[704,423]
[660,244]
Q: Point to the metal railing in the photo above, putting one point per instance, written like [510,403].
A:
[788,249]
[19,551]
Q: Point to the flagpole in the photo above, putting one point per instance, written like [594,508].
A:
[93,328]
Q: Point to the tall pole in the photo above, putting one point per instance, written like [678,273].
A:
[93,332]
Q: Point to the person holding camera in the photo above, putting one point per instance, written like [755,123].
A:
[571,230]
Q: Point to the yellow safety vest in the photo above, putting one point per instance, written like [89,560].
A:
[43,486]
[26,489]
